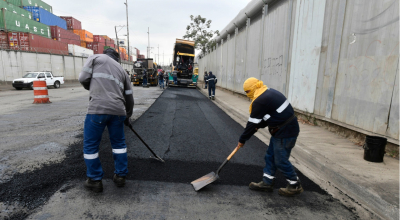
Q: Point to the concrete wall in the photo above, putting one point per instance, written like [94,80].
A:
[334,59]
[14,64]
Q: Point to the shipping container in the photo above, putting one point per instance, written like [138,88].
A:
[79,51]
[15,23]
[18,41]
[72,23]
[45,17]
[64,36]
[15,9]
[36,3]
[44,45]
[89,45]
[3,40]
[83,44]
[98,48]
[85,35]
[106,37]
[99,38]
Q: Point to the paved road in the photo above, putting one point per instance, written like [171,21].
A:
[194,137]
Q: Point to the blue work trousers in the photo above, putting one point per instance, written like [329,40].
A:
[175,80]
[277,158]
[211,88]
[161,83]
[144,82]
[93,130]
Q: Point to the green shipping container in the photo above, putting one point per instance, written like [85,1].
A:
[37,3]
[15,9]
[10,21]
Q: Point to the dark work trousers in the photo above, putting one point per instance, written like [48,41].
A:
[211,88]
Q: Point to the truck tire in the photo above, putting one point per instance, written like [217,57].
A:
[56,84]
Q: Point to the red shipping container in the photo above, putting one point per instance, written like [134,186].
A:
[89,45]
[98,48]
[13,40]
[99,38]
[4,40]
[23,39]
[45,45]
[72,23]
[64,36]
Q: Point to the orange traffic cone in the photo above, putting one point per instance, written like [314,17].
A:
[41,95]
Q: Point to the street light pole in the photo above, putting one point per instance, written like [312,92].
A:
[127,29]
[148,47]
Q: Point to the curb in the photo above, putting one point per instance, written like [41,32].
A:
[328,175]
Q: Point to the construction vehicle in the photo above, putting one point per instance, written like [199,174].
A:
[142,66]
[183,65]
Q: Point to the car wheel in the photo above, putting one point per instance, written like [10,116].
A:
[31,87]
[18,88]
[56,85]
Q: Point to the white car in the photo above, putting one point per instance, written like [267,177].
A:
[27,80]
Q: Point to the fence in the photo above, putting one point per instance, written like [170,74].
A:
[14,64]
[337,60]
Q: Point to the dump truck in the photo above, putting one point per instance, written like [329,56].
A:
[139,68]
[183,65]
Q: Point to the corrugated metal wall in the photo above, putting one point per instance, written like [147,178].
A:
[14,64]
[336,59]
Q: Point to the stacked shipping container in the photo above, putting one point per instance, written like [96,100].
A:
[37,3]
[72,23]
[64,36]
[45,17]
[17,23]
[15,9]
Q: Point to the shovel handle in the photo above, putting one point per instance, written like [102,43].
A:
[233,153]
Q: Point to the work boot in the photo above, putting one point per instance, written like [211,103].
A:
[94,185]
[213,98]
[119,180]
[262,186]
[209,97]
[291,190]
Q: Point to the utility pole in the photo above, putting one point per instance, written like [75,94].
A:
[127,29]
[163,58]
[116,35]
[148,47]
[158,60]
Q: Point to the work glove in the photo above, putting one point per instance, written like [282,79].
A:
[127,122]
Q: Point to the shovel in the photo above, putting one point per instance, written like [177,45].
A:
[155,155]
[211,177]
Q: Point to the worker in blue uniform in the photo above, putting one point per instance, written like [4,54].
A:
[270,108]
[211,80]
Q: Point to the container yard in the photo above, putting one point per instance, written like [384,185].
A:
[30,25]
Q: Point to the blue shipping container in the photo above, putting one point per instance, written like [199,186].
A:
[45,17]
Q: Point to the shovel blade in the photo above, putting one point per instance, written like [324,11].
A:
[204,181]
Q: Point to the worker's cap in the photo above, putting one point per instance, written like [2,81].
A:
[210,72]
[111,52]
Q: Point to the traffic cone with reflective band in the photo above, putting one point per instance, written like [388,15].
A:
[41,95]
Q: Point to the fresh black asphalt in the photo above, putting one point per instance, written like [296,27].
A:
[183,127]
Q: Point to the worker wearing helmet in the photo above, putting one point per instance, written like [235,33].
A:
[270,108]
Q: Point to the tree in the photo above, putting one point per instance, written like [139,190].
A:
[199,31]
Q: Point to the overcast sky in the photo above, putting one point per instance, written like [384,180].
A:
[167,19]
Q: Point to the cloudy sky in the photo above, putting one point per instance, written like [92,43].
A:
[167,19]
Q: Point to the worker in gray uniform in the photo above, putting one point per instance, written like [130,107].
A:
[110,105]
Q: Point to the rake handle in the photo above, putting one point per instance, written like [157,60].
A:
[233,153]
[130,126]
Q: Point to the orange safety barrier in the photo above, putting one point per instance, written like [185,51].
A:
[41,95]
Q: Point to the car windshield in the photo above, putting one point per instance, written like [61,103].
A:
[30,75]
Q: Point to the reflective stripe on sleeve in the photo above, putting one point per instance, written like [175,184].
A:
[119,151]
[110,77]
[269,176]
[91,156]
[266,117]
[87,69]
[254,120]
[283,106]
[128,92]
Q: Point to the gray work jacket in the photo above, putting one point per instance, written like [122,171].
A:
[109,85]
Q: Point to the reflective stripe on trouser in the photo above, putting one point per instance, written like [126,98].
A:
[277,158]
[93,130]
